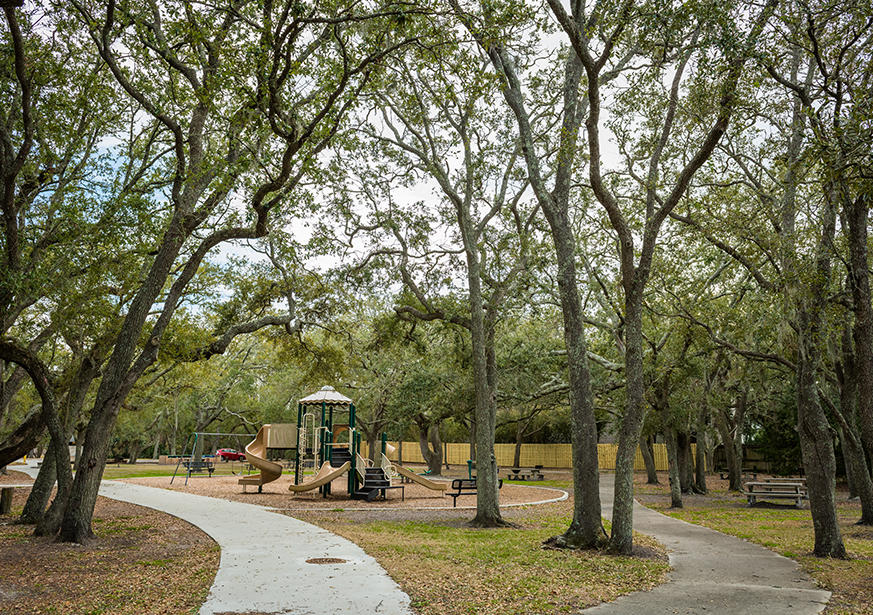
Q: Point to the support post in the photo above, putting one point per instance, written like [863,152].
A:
[297,459]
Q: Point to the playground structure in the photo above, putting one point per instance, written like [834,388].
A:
[256,455]
[333,447]
[325,439]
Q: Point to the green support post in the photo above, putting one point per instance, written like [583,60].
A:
[384,442]
[297,459]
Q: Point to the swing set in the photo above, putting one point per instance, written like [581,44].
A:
[195,461]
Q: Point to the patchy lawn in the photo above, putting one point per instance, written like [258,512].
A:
[143,562]
[786,530]
[447,567]
[124,470]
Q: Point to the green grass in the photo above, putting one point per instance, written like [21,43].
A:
[503,570]
[148,471]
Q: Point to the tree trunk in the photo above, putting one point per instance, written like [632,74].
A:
[731,438]
[586,529]
[683,451]
[431,447]
[133,452]
[24,439]
[648,451]
[819,463]
[673,463]
[859,276]
[40,493]
[700,464]
[621,540]
[858,474]
[519,437]
[816,441]
[5,500]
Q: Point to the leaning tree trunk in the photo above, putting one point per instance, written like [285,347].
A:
[648,451]
[41,492]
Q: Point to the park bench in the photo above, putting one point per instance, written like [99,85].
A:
[465,486]
[775,490]
[199,465]
[534,473]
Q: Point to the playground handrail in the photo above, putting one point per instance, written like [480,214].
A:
[361,466]
[388,467]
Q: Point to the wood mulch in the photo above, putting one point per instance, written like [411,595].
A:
[142,562]
[276,494]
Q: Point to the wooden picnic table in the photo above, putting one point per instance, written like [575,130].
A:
[771,489]
[524,474]
[783,479]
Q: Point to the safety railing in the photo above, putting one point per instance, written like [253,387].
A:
[361,466]
[388,467]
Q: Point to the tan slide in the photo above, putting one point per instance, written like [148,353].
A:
[256,455]
[325,475]
[421,480]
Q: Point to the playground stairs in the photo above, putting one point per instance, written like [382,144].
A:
[339,456]
[374,480]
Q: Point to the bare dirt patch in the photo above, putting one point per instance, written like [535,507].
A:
[143,562]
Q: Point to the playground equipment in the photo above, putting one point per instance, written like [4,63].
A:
[322,446]
[421,480]
[256,455]
[325,476]
[193,458]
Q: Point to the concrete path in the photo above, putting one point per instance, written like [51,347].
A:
[713,574]
[264,555]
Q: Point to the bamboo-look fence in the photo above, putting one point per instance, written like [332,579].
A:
[546,455]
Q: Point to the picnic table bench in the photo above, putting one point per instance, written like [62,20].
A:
[534,473]
[783,479]
[773,489]
[465,486]
[199,465]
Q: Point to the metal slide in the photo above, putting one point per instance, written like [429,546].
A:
[326,474]
[256,455]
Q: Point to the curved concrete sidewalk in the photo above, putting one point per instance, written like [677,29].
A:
[263,565]
[713,573]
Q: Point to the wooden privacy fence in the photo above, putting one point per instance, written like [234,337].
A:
[546,455]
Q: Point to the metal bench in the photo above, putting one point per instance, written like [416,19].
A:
[465,486]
